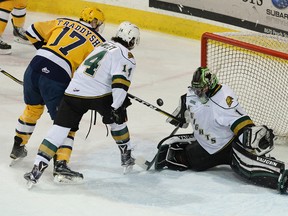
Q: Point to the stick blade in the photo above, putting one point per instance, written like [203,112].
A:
[142,162]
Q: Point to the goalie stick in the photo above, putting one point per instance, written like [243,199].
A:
[145,164]
[11,76]
[141,161]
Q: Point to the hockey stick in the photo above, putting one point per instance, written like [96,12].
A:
[145,164]
[11,77]
[154,108]
[129,95]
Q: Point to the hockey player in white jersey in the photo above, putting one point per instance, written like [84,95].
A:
[223,134]
[100,83]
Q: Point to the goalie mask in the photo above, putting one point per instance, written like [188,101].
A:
[93,16]
[203,81]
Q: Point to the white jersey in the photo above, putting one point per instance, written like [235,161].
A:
[107,69]
[216,122]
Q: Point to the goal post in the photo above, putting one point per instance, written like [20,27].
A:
[255,66]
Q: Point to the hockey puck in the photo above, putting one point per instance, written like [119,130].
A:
[160,102]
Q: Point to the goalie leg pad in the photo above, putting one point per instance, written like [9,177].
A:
[171,157]
[261,170]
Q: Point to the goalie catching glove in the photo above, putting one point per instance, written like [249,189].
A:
[259,138]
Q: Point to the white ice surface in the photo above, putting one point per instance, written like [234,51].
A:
[164,68]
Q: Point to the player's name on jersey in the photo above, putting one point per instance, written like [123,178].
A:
[85,31]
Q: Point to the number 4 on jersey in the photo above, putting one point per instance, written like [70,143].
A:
[92,63]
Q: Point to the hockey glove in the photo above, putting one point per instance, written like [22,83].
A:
[119,115]
[259,138]
[180,112]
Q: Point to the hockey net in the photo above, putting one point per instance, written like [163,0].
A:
[255,66]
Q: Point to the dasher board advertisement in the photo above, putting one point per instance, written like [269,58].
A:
[266,16]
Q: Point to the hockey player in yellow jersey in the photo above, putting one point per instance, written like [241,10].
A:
[100,83]
[61,44]
[17,9]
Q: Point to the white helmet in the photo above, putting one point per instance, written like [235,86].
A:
[129,33]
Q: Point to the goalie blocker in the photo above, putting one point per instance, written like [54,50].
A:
[182,152]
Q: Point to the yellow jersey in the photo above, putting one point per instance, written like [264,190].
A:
[62,46]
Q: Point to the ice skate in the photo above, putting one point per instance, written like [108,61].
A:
[18,151]
[5,49]
[19,34]
[127,161]
[63,174]
[33,176]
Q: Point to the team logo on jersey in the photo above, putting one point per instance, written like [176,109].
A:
[130,55]
[229,101]
[45,70]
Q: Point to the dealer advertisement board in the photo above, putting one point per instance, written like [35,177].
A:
[266,16]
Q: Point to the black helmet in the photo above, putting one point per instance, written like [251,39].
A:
[202,81]
[202,78]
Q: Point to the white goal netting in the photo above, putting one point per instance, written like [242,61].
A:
[255,66]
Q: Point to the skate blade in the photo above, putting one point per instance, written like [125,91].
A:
[15,161]
[60,179]
[5,52]
[127,169]
[29,184]
[21,41]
